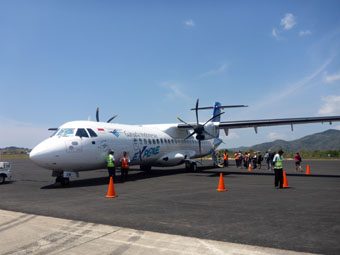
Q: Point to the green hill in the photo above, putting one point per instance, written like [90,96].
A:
[327,140]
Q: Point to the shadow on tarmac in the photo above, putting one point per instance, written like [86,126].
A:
[167,172]
[105,180]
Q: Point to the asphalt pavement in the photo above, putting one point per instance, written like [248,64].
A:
[302,218]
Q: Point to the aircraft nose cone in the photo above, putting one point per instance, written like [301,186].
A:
[39,153]
[44,154]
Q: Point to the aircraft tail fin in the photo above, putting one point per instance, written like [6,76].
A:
[217,111]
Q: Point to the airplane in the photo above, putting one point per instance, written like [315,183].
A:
[78,146]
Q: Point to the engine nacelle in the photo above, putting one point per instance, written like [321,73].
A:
[211,129]
[171,159]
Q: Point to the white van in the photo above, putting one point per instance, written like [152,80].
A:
[5,171]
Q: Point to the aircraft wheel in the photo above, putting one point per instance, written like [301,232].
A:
[65,181]
[2,179]
[194,167]
[188,166]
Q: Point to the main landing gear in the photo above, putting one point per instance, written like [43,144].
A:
[145,168]
[191,166]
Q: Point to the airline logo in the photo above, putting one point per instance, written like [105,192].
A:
[146,153]
[115,132]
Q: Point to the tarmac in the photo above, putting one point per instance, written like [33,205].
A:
[172,211]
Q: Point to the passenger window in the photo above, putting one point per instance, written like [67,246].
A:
[165,141]
[81,132]
[145,141]
[149,140]
[157,141]
[161,140]
[140,141]
[91,132]
[153,141]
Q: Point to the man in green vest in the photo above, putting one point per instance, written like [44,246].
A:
[278,169]
[110,160]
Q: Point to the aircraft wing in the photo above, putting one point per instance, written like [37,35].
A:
[226,125]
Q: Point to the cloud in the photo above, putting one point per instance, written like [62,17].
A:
[331,106]
[275,136]
[305,32]
[189,23]
[332,77]
[291,88]
[175,91]
[220,69]
[288,22]
[231,135]
[275,33]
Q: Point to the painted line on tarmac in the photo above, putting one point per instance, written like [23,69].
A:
[32,234]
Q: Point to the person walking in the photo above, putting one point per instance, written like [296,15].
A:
[271,158]
[259,160]
[225,158]
[278,168]
[125,167]
[110,161]
[236,159]
[266,157]
[298,162]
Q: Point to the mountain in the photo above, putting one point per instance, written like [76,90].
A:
[327,140]
[14,150]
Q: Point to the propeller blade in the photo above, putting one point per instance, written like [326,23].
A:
[184,122]
[213,118]
[190,135]
[197,110]
[97,114]
[200,147]
[113,117]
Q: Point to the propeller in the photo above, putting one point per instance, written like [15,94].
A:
[97,116]
[199,128]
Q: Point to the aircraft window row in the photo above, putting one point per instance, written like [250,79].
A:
[166,141]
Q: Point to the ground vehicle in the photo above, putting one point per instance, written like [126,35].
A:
[5,171]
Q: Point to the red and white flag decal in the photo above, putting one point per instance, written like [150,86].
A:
[100,129]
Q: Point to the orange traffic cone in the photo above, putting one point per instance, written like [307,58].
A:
[249,168]
[285,182]
[307,171]
[221,184]
[111,191]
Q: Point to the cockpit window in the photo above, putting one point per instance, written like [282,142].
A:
[66,132]
[91,132]
[81,132]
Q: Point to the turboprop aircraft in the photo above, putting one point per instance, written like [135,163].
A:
[78,146]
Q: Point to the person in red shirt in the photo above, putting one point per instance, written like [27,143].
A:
[125,167]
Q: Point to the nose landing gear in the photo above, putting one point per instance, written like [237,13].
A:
[60,179]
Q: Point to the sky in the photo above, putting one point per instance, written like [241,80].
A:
[149,61]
